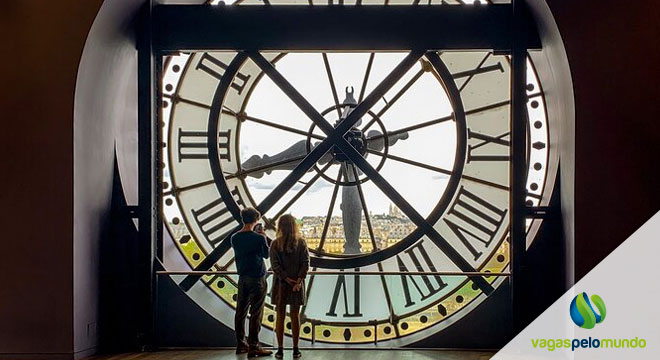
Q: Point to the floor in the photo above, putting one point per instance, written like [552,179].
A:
[307,354]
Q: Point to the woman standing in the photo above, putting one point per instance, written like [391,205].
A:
[290,262]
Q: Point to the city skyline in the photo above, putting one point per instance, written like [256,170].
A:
[388,229]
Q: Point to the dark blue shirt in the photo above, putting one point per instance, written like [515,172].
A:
[250,250]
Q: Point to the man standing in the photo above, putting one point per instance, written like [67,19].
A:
[250,250]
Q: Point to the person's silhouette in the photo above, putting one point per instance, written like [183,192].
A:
[250,249]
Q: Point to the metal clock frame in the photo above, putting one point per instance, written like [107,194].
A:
[164,29]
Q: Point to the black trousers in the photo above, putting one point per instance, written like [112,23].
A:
[251,295]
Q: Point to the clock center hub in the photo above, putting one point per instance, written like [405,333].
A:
[356,138]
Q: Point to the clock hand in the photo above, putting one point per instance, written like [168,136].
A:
[348,105]
[256,166]
[377,142]
[351,206]
[350,195]
[297,150]
[351,211]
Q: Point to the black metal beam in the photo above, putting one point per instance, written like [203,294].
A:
[539,212]
[518,169]
[147,175]
[301,27]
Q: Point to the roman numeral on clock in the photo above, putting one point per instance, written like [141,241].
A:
[484,140]
[208,215]
[342,289]
[193,144]
[480,220]
[216,68]
[223,143]
[430,285]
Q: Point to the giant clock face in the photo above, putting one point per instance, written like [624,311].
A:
[438,138]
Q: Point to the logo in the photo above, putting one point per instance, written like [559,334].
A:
[583,313]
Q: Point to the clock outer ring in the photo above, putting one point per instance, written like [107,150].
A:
[360,260]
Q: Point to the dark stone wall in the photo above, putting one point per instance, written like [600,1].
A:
[613,50]
[42,43]
[105,101]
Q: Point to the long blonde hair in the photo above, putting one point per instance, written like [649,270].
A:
[288,235]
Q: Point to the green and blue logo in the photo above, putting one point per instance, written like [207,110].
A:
[582,312]
[583,315]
